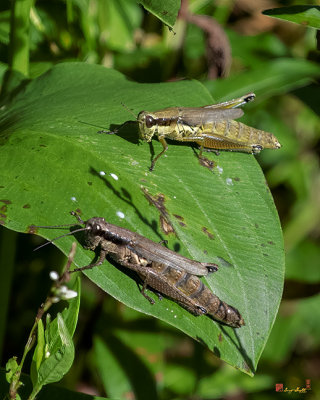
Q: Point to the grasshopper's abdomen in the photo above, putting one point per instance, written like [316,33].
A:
[191,293]
[234,135]
[185,289]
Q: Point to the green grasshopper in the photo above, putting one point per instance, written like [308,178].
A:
[212,127]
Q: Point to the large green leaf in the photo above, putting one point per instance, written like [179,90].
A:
[51,163]
[70,318]
[301,14]
[53,368]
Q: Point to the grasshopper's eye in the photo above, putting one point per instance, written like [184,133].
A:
[149,121]
[95,229]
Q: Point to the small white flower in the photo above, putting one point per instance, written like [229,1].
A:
[70,294]
[62,290]
[54,276]
[55,299]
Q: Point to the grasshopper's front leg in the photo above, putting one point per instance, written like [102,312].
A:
[165,148]
[102,256]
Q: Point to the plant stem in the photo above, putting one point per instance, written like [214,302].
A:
[19,36]
[64,277]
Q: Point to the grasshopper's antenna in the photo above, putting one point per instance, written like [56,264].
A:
[129,110]
[75,214]
[51,226]
[117,130]
[59,237]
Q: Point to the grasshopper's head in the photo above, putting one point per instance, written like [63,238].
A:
[147,125]
[95,229]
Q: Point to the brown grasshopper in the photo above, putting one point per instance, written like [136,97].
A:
[159,268]
[211,127]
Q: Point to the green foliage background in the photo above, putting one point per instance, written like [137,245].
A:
[51,163]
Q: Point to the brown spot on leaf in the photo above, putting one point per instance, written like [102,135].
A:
[26,206]
[32,229]
[178,217]
[167,228]
[207,232]
[158,201]
[220,337]
[3,211]
[270,242]
[6,201]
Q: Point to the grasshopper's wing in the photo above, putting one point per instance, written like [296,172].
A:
[194,116]
[204,115]
[156,252]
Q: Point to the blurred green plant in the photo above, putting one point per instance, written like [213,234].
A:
[277,60]
[54,352]
[301,14]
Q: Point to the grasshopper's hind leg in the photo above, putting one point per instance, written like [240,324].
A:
[144,294]
[234,103]
[145,287]
[204,161]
